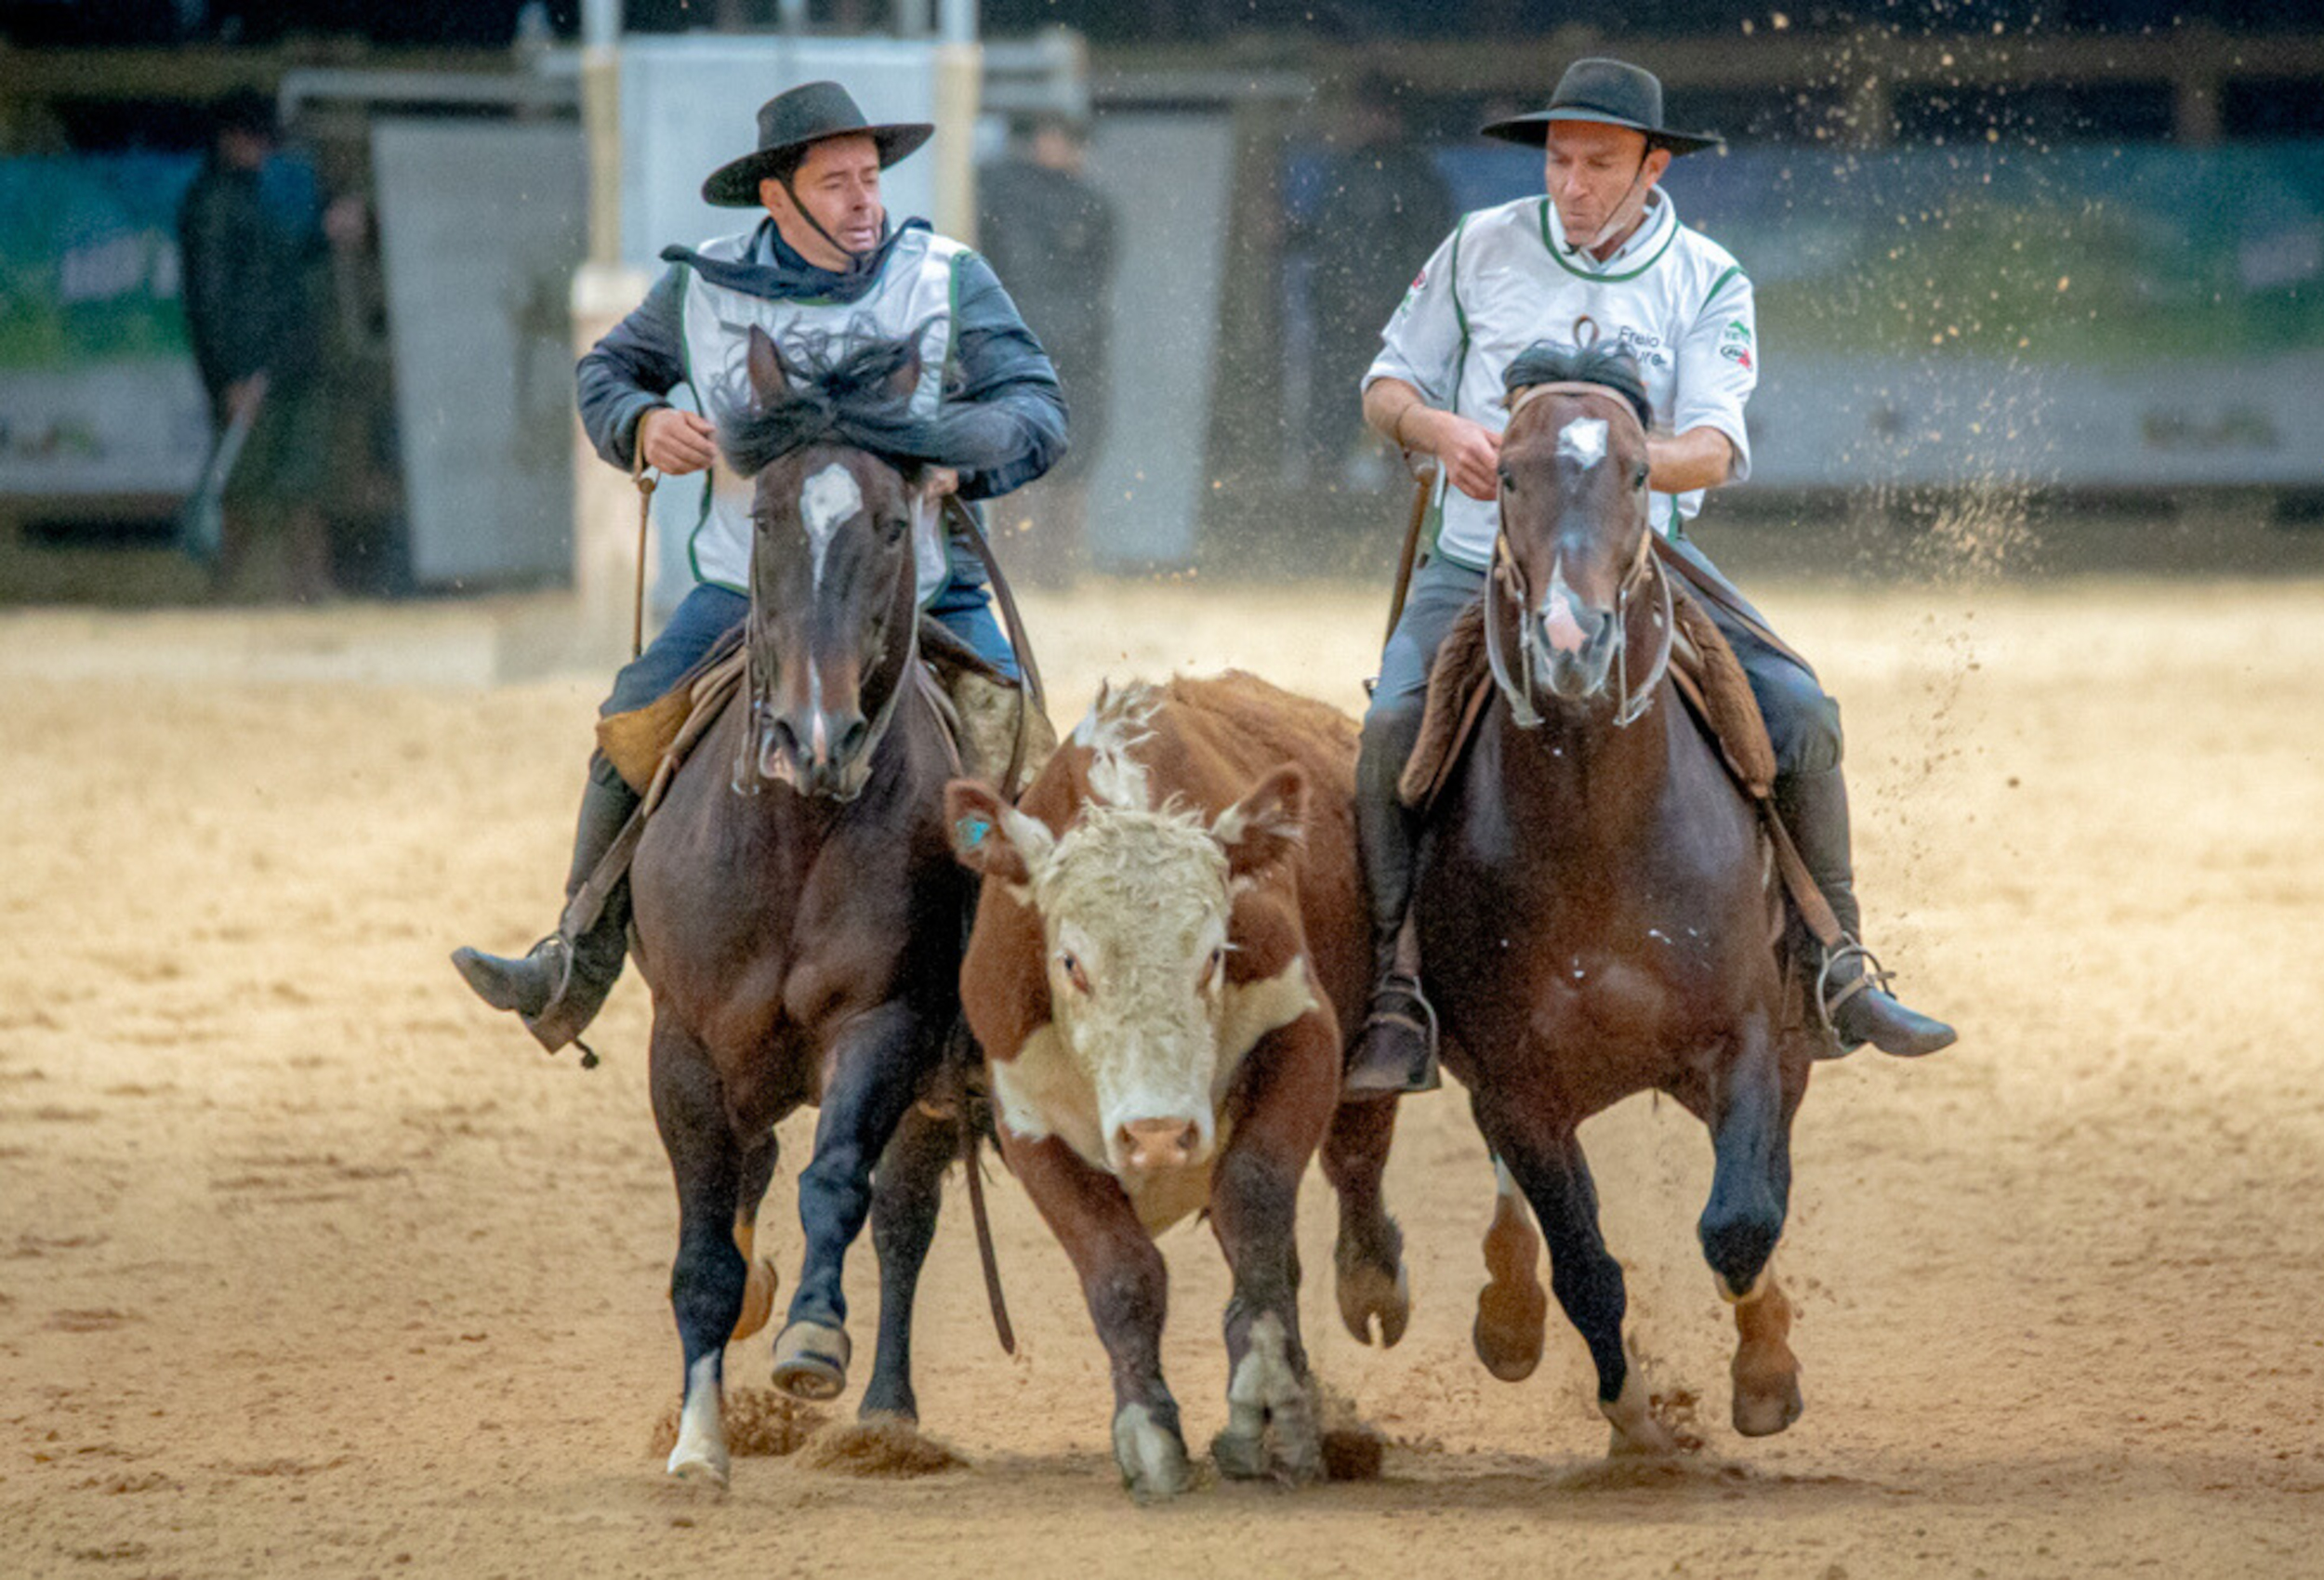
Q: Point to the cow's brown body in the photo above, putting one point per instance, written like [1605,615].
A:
[1164,843]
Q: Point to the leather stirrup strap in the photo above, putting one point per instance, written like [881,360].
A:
[1790,867]
[713,689]
[1031,692]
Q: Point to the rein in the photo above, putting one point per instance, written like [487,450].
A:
[1505,580]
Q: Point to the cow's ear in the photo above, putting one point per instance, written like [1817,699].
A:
[991,836]
[1265,826]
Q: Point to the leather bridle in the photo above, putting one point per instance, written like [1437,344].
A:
[1507,580]
[895,665]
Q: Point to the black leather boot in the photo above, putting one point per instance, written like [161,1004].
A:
[1857,1005]
[558,986]
[1396,1049]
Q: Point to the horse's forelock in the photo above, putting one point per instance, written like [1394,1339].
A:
[842,397]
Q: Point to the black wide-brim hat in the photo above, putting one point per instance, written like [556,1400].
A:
[1613,93]
[789,122]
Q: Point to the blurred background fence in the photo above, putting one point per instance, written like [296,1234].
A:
[2064,255]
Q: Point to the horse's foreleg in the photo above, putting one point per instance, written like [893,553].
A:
[1512,1308]
[906,1191]
[875,1071]
[709,1277]
[1750,1182]
[1368,1257]
[1128,1289]
[1547,1163]
[1751,1190]
[1292,1089]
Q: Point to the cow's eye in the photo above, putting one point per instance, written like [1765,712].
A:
[1070,964]
[1211,968]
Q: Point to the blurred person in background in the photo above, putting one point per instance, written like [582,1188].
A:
[1048,231]
[256,261]
[821,271]
[1384,205]
[1602,258]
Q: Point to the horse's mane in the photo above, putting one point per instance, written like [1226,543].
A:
[1546,361]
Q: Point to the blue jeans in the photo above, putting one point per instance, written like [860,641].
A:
[963,603]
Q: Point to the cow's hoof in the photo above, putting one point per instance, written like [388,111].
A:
[811,1361]
[1239,1457]
[1152,1456]
[701,1465]
[1761,1413]
[1368,1293]
[1297,1459]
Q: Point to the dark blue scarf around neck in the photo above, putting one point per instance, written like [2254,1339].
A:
[791,277]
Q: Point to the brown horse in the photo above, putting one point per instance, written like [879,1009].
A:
[800,916]
[1595,907]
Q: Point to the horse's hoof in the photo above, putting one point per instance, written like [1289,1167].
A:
[1152,1456]
[758,1301]
[1763,1413]
[811,1361]
[1510,1328]
[1368,1291]
[698,1465]
[1637,1434]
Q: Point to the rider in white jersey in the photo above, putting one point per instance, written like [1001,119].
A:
[1602,259]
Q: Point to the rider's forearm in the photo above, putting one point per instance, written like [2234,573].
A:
[1701,457]
[1396,411]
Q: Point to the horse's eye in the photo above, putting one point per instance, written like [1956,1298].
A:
[1638,478]
[892,529]
[1508,481]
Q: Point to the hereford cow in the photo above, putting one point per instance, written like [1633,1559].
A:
[1171,936]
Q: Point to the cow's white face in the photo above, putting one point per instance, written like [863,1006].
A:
[1134,909]
[1135,905]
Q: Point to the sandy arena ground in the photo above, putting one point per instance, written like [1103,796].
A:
[310,1266]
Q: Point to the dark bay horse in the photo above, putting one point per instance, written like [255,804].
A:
[1594,906]
[798,914]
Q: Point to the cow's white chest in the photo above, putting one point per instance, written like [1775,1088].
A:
[1042,1092]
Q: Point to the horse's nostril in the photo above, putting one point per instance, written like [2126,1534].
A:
[850,738]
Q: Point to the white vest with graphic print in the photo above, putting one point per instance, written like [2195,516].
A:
[914,295]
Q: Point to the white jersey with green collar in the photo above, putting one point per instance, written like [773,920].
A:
[1503,280]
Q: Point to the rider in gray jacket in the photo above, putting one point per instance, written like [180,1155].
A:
[821,269]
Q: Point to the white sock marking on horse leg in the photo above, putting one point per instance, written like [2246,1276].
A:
[700,1425]
[1632,1417]
[1583,439]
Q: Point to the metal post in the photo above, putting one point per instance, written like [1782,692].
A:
[601,24]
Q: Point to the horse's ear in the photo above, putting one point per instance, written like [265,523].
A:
[991,836]
[1266,825]
[769,378]
[904,383]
